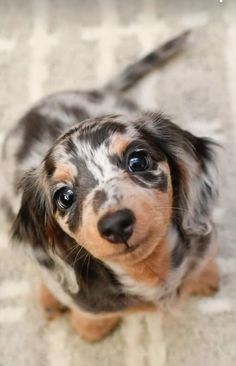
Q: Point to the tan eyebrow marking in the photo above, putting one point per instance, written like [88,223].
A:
[119,144]
[63,173]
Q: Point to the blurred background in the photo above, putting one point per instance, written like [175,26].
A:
[52,45]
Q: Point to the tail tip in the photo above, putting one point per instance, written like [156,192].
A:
[183,37]
[174,45]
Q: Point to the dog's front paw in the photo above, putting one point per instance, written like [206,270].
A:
[92,329]
[206,283]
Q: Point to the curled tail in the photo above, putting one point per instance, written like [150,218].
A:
[134,72]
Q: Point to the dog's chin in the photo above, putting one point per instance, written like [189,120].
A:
[137,251]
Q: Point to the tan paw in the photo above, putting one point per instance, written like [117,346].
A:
[206,283]
[92,329]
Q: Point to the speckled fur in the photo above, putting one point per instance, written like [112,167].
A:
[81,139]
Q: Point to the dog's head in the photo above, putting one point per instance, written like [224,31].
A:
[114,185]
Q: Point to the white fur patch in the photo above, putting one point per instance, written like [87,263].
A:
[133,287]
[51,281]
[65,274]
[58,278]
[162,294]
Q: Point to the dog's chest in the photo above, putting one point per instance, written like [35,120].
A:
[63,283]
[161,292]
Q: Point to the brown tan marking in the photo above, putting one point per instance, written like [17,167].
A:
[205,283]
[118,144]
[152,270]
[92,329]
[63,173]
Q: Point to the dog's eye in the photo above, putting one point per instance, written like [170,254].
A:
[138,161]
[64,197]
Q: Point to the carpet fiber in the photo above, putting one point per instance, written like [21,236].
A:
[51,45]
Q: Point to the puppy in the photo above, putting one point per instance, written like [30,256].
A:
[114,204]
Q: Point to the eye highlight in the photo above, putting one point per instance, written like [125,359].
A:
[64,198]
[138,161]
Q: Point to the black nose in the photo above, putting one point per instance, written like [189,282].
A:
[118,226]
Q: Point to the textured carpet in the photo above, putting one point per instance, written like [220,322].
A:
[50,45]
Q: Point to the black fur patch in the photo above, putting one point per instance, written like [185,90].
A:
[99,198]
[97,136]
[149,140]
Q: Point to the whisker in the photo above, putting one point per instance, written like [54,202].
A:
[88,263]
[85,259]
[77,256]
[71,250]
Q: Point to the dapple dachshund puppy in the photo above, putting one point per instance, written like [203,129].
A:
[114,204]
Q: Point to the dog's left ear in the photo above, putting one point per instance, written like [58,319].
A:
[202,185]
[194,175]
[33,222]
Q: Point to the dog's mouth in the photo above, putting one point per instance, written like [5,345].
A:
[123,248]
[139,248]
[130,248]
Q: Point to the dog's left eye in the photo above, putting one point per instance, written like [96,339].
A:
[138,161]
[64,197]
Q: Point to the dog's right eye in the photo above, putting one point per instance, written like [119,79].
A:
[64,198]
[138,161]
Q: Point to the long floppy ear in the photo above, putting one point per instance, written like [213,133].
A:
[202,186]
[194,175]
[33,222]
[35,225]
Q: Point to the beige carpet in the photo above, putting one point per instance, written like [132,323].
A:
[49,45]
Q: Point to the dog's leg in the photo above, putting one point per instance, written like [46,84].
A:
[51,306]
[206,283]
[92,329]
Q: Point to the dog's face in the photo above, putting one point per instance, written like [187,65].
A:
[115,185]
[110,189]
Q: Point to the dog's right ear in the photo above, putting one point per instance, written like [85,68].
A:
[32,223]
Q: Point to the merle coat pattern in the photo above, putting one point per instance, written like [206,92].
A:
[86,148]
